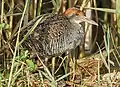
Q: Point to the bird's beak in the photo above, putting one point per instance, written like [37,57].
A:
[85,19]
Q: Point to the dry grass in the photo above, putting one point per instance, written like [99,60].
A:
[99,68]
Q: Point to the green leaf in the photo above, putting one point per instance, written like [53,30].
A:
[4,26]
[30,64]
[23,55]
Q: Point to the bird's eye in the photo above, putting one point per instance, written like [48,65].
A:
[72,16]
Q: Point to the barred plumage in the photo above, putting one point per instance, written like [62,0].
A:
[54,35]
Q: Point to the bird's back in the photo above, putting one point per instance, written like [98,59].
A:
[53,36]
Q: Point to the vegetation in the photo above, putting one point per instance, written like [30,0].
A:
[97,64]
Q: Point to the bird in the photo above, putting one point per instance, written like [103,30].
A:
[56,33]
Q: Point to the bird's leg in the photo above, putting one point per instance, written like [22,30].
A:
[53,64]
[74,61]
[82,49]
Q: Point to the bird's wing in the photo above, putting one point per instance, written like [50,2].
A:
[54,26]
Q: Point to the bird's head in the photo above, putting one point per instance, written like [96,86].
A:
[78,16]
